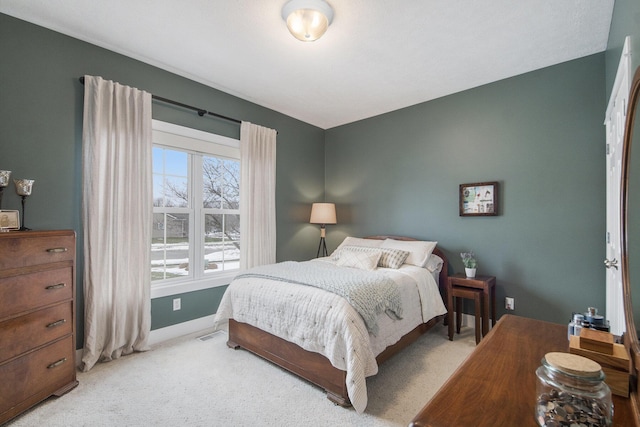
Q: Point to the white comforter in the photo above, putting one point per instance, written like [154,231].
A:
[325,323]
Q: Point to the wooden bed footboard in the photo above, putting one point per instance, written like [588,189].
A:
[308,365]
[313,367]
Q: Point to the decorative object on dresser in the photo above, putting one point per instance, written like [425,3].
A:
[600,347]
[37,318]
[4,181]
[323,213]
[459,286]
[9,220]
[23,188]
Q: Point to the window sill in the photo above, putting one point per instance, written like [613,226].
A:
[165,290]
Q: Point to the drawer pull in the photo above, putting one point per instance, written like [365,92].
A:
[57,323]
[56,250]
[58,286]
[58,363]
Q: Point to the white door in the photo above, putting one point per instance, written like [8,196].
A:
[614,122]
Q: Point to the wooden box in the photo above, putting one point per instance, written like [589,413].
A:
[615,366]
[599,341]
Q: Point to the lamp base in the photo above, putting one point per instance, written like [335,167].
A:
[322,248]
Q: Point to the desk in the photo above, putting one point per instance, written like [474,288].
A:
[488,286]
[496,385]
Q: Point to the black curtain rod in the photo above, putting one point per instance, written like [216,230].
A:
[201,112]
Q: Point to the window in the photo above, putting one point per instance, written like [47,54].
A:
[196,216]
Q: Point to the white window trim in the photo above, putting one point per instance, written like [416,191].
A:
[198,141]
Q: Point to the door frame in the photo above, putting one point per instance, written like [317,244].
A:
[614,135]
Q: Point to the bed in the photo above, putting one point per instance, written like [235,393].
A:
[335,348]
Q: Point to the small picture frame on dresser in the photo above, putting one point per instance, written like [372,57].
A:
[9,220]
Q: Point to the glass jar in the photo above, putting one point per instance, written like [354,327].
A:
[571,391]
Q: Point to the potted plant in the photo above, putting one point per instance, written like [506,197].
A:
[470,263]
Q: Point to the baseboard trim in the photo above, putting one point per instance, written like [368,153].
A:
[158,336]
[468,320]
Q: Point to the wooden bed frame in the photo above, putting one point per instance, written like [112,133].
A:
[314,367]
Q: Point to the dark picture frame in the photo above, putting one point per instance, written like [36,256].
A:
[479,199]
[9,220]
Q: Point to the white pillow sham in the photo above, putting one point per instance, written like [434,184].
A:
[390,258]
[419,251]
[364,260]
[357,241]
[434,264]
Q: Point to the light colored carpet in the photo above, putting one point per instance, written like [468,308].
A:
[189,382]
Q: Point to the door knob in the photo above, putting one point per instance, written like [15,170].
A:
[613,263]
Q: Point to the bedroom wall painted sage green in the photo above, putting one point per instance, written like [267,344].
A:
[540,135]
[41,103]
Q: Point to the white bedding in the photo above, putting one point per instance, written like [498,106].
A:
[325,323]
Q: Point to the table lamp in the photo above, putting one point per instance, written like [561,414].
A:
[323,213]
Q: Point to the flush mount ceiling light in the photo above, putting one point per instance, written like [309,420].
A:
[307,20]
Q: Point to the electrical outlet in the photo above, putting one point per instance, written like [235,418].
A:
[509,303]
[176,304]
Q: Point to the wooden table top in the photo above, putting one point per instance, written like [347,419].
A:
[496,385]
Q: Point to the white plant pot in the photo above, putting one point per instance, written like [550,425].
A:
[471,272]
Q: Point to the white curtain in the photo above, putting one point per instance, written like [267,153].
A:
[117,209]
[257,195]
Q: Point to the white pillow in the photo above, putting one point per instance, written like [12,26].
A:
[434,264]
[364,260]
[390,258]
[357,241]
[419,251]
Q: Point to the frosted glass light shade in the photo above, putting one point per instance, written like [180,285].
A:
[323,213]
[307,20]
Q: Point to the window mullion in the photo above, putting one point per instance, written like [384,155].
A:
[198,216]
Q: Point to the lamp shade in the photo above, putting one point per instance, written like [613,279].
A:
[323,213]
[307,20]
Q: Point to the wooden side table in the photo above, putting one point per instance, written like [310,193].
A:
[488,286]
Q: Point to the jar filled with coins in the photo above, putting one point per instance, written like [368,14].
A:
[571,392]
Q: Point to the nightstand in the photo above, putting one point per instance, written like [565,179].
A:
[485,284]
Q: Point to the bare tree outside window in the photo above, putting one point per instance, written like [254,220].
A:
[218,214]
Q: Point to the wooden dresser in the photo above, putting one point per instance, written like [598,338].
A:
[496,385]
[37,318]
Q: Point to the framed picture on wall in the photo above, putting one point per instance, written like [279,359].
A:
[9,220]
[479,199]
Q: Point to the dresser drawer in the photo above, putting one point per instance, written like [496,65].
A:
[33,248]
[23,333]
[42,372]
[33,290]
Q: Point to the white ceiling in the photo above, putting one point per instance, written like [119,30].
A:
[377,56]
